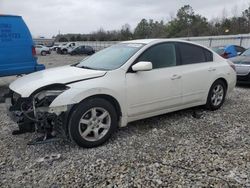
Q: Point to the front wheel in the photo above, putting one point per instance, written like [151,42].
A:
[92,122]
[216,96]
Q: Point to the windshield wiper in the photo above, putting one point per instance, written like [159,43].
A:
[86,67]
[90,68]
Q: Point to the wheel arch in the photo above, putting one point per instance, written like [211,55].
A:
[208,102]
[107,97]
[43,52]
[219,78]
[223,80]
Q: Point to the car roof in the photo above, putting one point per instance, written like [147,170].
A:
[141,41]
[148,41]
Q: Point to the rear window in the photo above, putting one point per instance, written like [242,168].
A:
[208,55]
[239,49]
[246,53]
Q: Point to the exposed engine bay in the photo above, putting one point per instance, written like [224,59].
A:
[34,114]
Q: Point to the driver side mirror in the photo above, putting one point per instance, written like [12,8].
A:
[142,66]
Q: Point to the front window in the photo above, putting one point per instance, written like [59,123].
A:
[111,58]
[161,55]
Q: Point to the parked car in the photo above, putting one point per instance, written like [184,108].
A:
[126,82]
[17,51]
[54,47]
[42,50]
[229,51]
[63,49]
[242,64]
[88,50]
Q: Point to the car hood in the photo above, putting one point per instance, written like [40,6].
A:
[26,85]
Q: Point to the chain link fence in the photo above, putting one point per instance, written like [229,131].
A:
[209,41]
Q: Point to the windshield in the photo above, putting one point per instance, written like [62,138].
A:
[110,58]
[246,53]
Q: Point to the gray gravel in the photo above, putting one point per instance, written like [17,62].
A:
[172,150]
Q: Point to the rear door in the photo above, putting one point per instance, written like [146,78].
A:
[83,49]
[198,71]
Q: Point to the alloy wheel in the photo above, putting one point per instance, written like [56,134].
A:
[94,124]
[217,95]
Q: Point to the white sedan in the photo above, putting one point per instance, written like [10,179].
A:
[42,50]
[120,84]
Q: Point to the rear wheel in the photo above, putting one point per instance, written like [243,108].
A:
[216,96]
[43,53]
[93,122]
[73,53]
[65,51]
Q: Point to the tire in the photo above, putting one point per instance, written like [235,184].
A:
[43,53]
[64,52]
[92,122]
[216,95]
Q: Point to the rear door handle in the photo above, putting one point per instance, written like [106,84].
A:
[175,77]
[211,69]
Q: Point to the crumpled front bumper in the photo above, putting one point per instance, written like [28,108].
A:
[11,114]
[33,118]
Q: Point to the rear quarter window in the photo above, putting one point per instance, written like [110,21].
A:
[208,55]
[191,54]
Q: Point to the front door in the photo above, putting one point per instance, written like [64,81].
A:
[158,89]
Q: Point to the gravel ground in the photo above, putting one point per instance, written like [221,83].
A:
[172,150]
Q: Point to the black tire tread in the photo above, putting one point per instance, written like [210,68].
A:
[209,105]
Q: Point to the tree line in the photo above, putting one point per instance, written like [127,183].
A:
[186,23]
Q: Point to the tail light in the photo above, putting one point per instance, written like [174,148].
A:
[33,51]
[231,65]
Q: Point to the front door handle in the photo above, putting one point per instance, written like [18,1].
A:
[175,77]
[211,69]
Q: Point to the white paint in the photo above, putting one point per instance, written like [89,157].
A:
[141,94]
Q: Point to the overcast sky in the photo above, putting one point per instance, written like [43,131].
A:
[48,17]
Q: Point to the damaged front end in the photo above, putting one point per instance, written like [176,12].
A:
[34,114]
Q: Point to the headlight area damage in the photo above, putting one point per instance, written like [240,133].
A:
[34,114]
